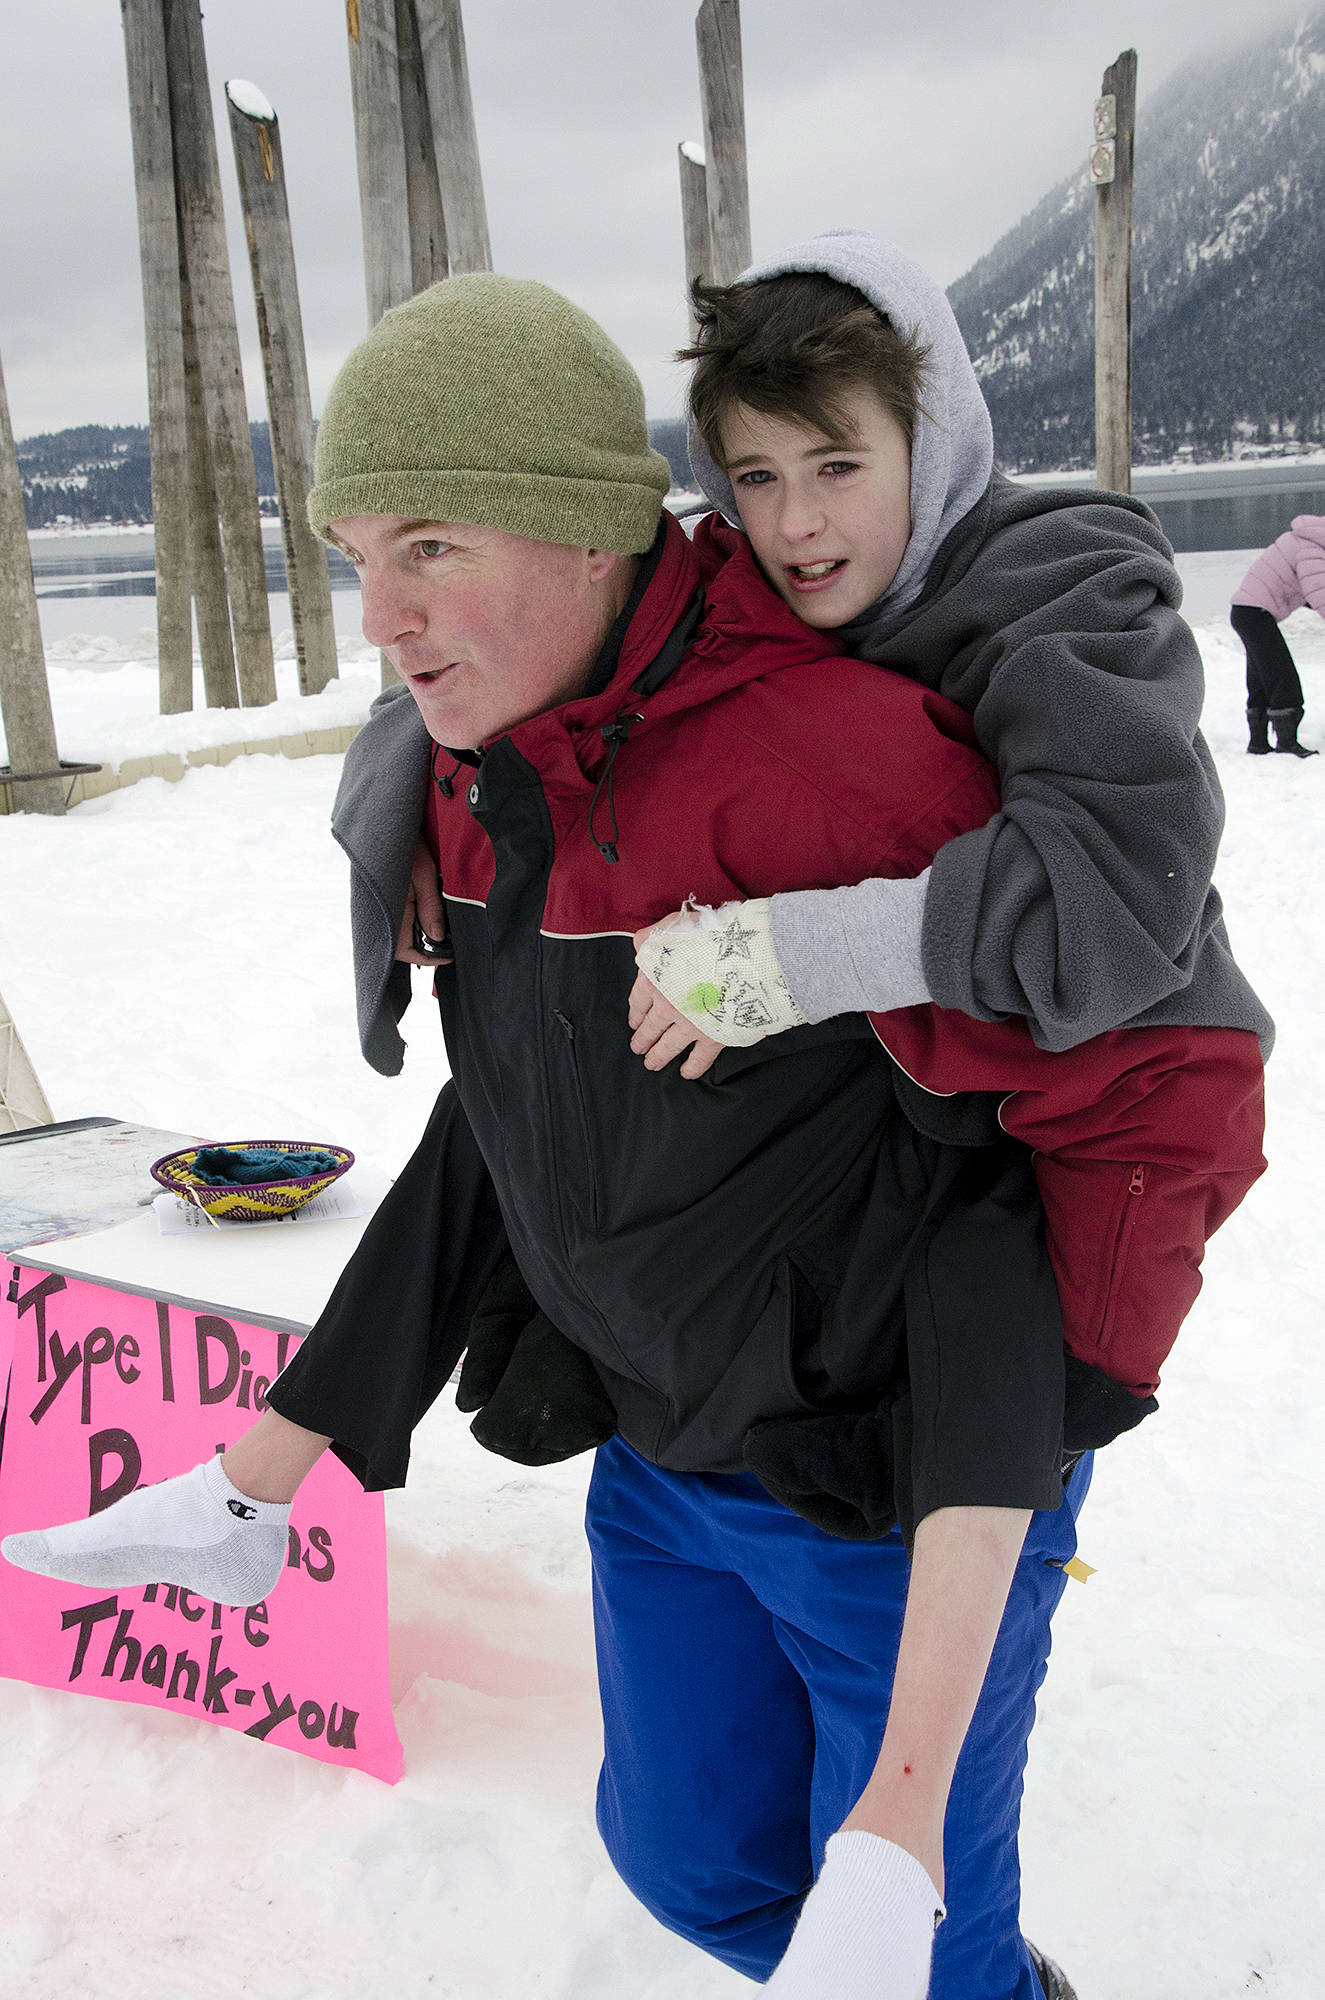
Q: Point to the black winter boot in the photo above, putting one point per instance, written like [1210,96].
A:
[1056,1984]
[1258,724]
[1285,722]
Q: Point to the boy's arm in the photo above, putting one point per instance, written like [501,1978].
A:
[867,1925]
[1086,900]
[729,971]
[691,980]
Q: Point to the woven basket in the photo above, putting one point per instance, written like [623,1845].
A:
[253,1201]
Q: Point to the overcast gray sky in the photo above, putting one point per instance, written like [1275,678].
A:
[938,127]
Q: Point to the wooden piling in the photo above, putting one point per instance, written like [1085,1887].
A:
[158,238]
[694,218]
[202,231]
[211,598]
[423,195]
[1113,279]
[255,132]
[380,151]
[441,34]
[718,37]
[25,699]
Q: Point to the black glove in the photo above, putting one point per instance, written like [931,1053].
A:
[836,1471]
[1096,1409]
[537,1395]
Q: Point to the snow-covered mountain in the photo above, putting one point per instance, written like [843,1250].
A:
[1228,274]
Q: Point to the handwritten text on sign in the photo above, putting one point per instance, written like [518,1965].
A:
[108,1391]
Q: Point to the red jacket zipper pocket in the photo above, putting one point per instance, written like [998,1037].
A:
[1128,1217]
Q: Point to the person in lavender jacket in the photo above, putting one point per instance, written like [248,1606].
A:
[1288,575]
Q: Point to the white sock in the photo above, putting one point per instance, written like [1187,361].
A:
[866,1931]
[197,1531]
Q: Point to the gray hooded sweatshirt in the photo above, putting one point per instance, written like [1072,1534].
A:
[1051,616]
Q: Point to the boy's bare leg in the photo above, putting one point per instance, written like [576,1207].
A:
[867,1927]
[961,1574]
[219,1530]
[273,1458]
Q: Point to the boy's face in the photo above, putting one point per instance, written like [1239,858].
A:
[828,518]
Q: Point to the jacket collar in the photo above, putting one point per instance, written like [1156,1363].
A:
[745,632]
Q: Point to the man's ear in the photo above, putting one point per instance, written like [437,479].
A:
[601,564]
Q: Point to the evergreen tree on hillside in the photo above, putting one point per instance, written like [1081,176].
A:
[99,472]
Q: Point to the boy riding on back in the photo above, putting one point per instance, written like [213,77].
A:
[837,422]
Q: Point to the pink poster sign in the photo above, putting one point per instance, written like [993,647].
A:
[108,1391]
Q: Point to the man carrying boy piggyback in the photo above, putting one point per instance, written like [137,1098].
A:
[802,1314]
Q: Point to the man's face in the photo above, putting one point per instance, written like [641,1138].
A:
[484,628]
[828,518]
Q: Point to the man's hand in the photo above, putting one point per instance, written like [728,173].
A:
[866,1931]
[660,1032]
[425,914]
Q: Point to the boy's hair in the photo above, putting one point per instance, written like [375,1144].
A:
[789,346]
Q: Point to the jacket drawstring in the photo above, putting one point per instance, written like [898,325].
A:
[614,734]
[446,783]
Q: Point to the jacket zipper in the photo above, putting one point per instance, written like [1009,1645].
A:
[628,1367]
[567,1027]
[1127,1221]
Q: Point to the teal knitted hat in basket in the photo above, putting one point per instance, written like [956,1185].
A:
[493,401]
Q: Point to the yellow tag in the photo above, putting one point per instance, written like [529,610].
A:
[1080,1572]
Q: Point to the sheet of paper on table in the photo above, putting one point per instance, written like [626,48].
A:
[68,1180]
[273,1277]
[96,1219]
[177,1217]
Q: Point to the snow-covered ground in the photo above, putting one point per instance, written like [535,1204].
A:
[178,954]
[101,669]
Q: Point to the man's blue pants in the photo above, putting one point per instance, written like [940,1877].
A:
[745,1660]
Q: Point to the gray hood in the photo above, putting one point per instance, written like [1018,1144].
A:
[953,452]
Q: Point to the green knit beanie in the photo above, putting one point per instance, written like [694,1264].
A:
[493,401]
